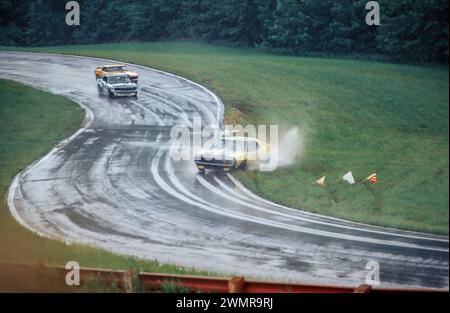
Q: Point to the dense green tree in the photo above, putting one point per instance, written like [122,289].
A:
[414,30]
[289,28]
[410,30]
[233,21]
[44,20]
[12,21]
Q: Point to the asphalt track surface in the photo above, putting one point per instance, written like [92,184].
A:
[114,185]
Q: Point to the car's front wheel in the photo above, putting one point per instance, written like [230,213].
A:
[110,93]
[243,165]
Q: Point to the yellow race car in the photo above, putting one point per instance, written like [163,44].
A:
[231,153]
[113,69]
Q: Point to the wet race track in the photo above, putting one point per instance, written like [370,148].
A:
[114,185]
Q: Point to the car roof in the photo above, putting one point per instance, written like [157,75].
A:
[116,75]
[113,65]
[235,138]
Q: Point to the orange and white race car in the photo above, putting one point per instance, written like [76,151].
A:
[105,70]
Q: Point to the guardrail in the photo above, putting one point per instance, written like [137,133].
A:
[128,281]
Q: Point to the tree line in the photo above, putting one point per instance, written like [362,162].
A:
[410,30]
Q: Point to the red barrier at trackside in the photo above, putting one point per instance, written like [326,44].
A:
[126,281]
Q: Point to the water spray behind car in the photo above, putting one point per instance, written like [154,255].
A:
[290,147]
[286,152]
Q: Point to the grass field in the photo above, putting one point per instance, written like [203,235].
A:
[353,115]
[31,123]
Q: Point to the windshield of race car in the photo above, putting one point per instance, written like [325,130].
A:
[115,68]
[118,80]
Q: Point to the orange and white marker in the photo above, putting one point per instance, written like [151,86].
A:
[373,178]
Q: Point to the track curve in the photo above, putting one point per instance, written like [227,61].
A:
[114,185]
